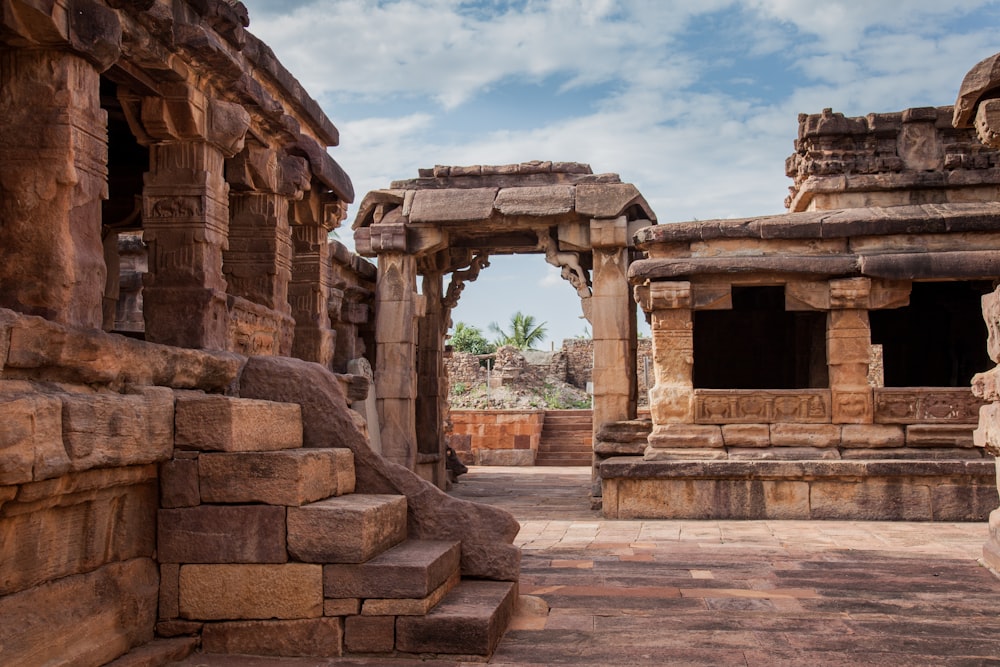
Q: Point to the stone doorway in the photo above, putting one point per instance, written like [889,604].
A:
[448,223]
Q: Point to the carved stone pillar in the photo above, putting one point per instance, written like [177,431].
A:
[309,290]
[671,399]
[611,312]
[396,310]
[848,351]
[432,381]
[53,176]
[186,212]
[258,263]
[987,434]
[397,307]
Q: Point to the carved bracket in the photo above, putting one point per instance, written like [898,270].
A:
[460,277]
[568,262]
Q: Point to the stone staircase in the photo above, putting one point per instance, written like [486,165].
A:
[265,549]
[567,438]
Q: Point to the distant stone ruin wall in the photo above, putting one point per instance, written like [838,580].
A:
[580,364]
[889,159]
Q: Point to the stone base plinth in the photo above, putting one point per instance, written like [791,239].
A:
[882,490]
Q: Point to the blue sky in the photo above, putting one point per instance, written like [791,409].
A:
[695,102]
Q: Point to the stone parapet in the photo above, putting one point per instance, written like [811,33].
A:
[478,436]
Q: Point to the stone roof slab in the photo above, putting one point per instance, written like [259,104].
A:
[453,205]
[536,201]
[609,200]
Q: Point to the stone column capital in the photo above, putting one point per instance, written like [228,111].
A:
[184,113]
[609,232]
[663,295]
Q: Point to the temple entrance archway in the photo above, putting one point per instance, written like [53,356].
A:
[433,234]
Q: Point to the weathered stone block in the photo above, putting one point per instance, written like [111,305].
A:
[469,621]
[412,606]
[939,435]
[93,617]
[609,233]
[221,423]
[871,436]
[313,637]
[101,430]
[734,498]
[349,529]
[179,483]
[412,569]
[783,453]
[222,534]
[871,499]
[505,457]
[852,406]
[169,601]
[76,523]
[31,445]
[676,436]
[537,200]
[220,592]
[805,435]
[453,205]
[290,477]
[342,607]
[964,501]
[369,634]
[746,435]
[605,200]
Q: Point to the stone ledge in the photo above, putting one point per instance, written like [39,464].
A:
[637,468]
[880,490]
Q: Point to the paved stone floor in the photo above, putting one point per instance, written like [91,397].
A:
[749,593]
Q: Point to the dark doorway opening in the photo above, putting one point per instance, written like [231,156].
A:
[939,340]
[759,345]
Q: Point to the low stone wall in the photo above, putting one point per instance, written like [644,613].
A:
[842,490]
[496,437]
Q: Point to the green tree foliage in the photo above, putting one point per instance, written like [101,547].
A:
[523,333]
[467,338]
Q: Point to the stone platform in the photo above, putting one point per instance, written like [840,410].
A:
[880,490]
[755,593]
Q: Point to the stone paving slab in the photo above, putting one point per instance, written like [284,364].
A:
[750,593]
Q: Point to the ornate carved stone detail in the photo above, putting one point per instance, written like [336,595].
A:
[721,406]
[462,276]
[567,262]
[850,292]
[932,405]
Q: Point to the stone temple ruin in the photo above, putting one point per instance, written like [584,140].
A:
[222,431]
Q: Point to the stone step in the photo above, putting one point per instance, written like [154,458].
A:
[568,461]
[348,529]
[411,569]
[210,422]
[291,477]
[469,621]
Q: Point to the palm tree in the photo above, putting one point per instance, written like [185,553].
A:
[523,333]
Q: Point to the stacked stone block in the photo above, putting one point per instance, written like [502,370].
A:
[265,549]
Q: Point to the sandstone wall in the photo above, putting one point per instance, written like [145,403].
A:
[496,437]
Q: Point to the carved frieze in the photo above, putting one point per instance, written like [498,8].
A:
[762,407]
[926,405]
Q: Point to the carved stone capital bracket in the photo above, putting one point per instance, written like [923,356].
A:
[294,177]
[387,238]
[88,28]
[567,262]
[255,168]
[184,113]
[462,276]
[847,293]
[663,295]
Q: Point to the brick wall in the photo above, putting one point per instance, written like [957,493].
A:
[499,437]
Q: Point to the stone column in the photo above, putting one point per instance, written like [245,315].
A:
[611,313]
[848,351]
[186,212]
[987,435]
[309,290]
[432,381]
[258,263]
[396,310]
[53,176]
[671,399]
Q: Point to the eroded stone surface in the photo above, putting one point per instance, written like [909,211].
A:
[220,592]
